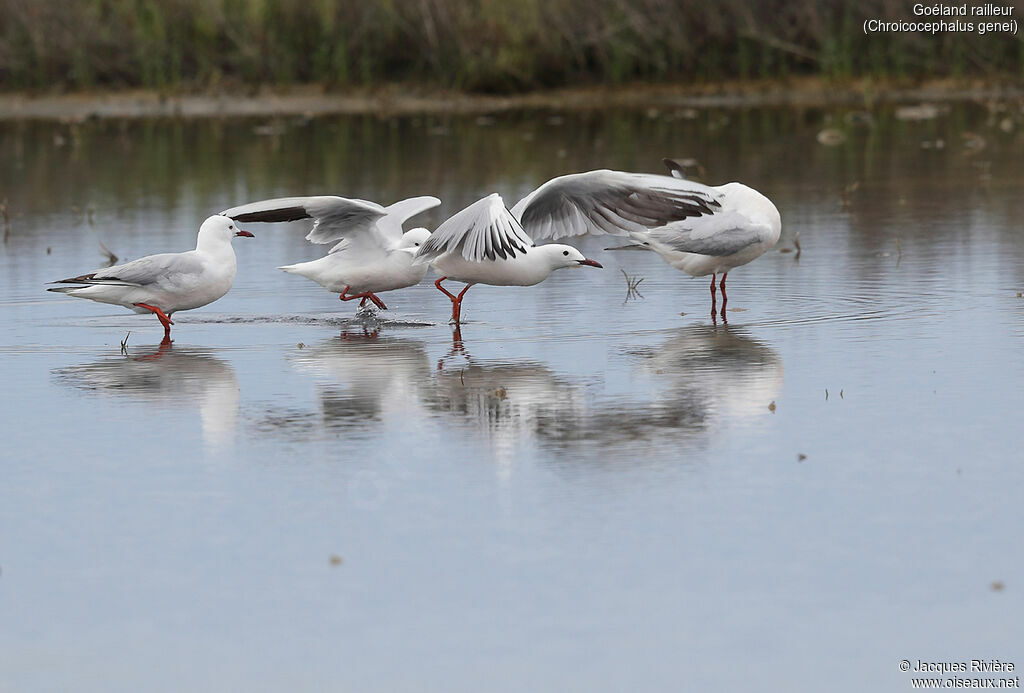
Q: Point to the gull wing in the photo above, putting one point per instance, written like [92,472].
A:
[334,217]
[612,202]
[719,235]
[390,225]
[152,269]
[485,230]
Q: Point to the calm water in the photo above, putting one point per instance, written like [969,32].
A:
[588,492]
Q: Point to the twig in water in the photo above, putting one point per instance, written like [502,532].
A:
[844,196]
[7,219]
[899,252]
[631,285]
[796,247]
[106,251]
[124,343]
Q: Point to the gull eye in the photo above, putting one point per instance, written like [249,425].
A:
[565,252]
[416,244]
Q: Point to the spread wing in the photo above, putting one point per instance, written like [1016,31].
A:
[152,269]
[389,230]
[334,217]
[612,202]
[483,230]
[397,214]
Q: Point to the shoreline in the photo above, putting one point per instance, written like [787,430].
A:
[397,100]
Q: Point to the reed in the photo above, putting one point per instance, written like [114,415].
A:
[474,45]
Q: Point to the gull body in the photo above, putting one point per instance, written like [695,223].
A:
[169,282]
[372,255]
[485,244]
[393,270]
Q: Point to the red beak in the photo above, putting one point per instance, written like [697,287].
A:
[245,233]
[591,263]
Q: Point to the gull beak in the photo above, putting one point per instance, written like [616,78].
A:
[590,263]
[245,233]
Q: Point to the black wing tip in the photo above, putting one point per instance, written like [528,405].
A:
[271,215]
[80,279]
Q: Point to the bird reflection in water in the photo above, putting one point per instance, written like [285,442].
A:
[510,403]
[168,378]
[728,374]
[702,377]
[365,376]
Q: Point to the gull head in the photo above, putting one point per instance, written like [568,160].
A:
[413,239]
[220,229]
[563,256]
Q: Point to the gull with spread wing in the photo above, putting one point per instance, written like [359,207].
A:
[485,244]
[166,283]
[372,255]
[699,229]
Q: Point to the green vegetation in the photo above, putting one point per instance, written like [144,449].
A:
[473,45]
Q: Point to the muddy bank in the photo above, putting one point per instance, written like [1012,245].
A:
[314,101]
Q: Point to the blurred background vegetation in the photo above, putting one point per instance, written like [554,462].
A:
[498,46]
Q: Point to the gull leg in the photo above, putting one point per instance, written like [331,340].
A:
[366,295]
[456,300]
[161,316]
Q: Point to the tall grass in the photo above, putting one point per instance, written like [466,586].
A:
[474,45]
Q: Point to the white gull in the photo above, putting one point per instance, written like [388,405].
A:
[699,229]
[373,255]
[166,283]
[485,244]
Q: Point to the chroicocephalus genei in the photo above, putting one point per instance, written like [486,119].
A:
[166,283]
[696,228]
[485,244]
[373,254]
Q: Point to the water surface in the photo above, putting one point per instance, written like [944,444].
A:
[587,491]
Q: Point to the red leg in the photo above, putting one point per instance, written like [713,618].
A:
[456,300]
[367,295]
[164,319]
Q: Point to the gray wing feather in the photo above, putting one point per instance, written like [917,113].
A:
[612,202]
[725,241]
[390,225]
[142,272]
[485,230]
[334,217]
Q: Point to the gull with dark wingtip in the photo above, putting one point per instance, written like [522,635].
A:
[166,283]
[485,244]
[699,229]
[372,255]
